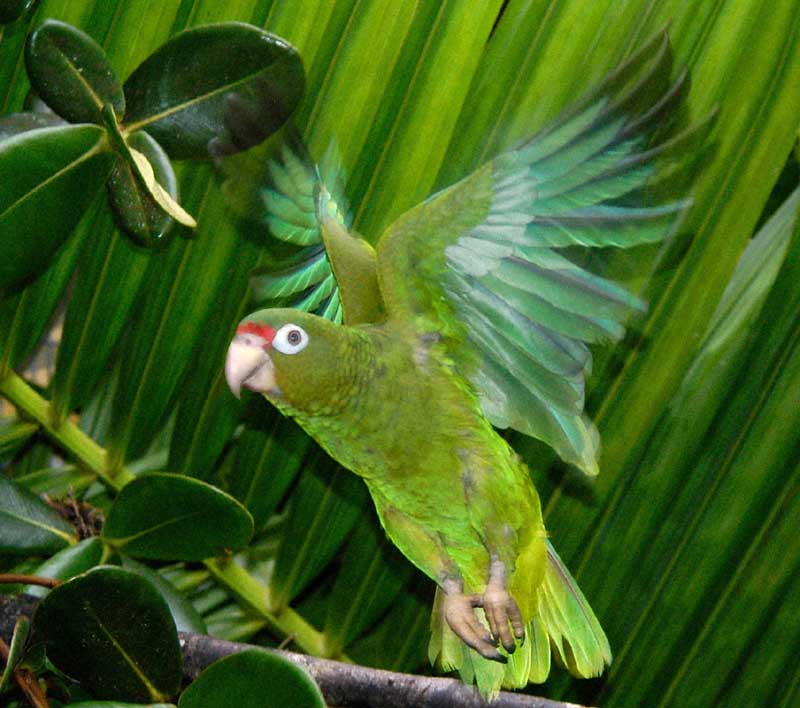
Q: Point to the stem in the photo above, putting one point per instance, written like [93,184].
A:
[67,434]
[25,679]
[232,576]
[256,596]
[12,578]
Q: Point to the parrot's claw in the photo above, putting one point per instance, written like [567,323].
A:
[460,615]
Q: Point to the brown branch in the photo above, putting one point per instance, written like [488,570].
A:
[352,685]
[11,578]
[29,684]
[25,679]
[341,684]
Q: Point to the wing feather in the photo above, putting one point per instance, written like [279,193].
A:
[516,314]
[298,198]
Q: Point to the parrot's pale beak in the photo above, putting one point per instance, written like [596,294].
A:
[248,365]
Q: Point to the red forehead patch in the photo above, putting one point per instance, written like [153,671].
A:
[260,330]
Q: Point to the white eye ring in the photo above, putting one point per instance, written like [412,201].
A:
[290,339]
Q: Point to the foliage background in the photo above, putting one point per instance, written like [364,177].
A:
[686,546]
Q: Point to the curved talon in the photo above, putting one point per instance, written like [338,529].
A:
[459,613]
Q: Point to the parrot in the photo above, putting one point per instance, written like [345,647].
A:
[471,316]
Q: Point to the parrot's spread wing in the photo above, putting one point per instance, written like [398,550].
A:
[481,262]
[299,199]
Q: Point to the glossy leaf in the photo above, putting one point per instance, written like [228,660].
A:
[15,123]
[136,210]
[271,682]
[160,196]
[57,172]
[111,631]
[186,618]
[28,526]
[68,563]
[11,10]
[71,73]
[171,517]
[219,88]
[15,651]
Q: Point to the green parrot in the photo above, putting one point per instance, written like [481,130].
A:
[403,361]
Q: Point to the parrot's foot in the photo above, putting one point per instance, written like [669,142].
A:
[501,610]
[459,611]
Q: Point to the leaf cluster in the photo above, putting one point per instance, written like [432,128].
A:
[197,96]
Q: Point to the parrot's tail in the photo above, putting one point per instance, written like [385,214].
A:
[564,626]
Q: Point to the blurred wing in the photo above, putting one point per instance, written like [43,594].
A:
[480,262]
[298,198]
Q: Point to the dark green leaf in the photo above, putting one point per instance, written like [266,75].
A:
[134,207]
[324,507]
[111,631]
[187,618]
[28,526]
[16,123]
[371,575]
[269,456]
[71,73]
[219,88]
[207,411]
[11,10]
[400,640]
[68,563]
[13,435]
[18,638]
[57,172]
[182,288]
[171,517]
[111,271]
[25,315]
[257,679]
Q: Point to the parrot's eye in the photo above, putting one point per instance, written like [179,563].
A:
[290,339]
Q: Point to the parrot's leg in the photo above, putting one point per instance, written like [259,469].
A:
[427,551]
[502,611]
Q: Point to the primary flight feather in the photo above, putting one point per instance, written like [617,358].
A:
[402,361]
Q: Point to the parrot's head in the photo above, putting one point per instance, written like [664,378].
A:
[291,357]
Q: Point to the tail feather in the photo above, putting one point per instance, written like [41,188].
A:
[565,627]
[575,634]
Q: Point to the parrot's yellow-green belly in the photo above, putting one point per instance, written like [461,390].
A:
[440,475]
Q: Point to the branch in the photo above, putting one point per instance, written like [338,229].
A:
[14,578]
[341,684]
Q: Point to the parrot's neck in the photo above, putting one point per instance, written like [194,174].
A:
[355,409]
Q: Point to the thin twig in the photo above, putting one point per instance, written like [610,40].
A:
[29,684]
[12,578]
[25,679]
